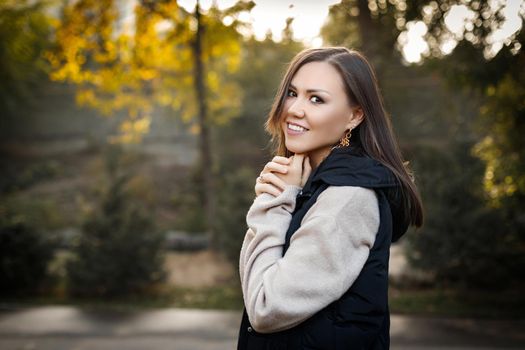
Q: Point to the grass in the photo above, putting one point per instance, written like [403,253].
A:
[226,297]
[447,302]
[221,297]
[427,302]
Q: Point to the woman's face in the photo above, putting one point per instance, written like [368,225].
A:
[316,112]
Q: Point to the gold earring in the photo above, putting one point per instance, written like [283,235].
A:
[345,140]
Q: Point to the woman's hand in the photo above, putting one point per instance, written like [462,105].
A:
[298,171]
[268,181]
[282,171]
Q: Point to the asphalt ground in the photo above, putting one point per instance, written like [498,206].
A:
[72,328]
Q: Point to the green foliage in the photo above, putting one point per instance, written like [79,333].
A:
[503,148]
[464,242]
[119,252]
[499,82]
[24,35]
[235,197]
[17,177]
[187,202]
[497,77]
[24,256]
[41,212]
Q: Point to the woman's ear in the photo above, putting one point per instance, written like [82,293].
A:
[356,118]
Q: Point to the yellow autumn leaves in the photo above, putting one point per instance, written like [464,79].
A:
[135,65]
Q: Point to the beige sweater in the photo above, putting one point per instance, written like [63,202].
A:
[325,256]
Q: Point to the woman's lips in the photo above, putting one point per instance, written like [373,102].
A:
[294,132]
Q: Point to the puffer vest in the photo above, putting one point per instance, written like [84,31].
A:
[360,319]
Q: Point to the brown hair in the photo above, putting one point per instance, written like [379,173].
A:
[374,135]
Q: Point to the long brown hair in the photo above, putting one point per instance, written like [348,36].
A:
[374,135]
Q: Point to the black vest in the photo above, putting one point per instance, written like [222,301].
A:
[360,319]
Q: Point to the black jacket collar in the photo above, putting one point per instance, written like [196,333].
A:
[350,166]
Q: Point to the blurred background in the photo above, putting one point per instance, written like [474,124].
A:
[132,133]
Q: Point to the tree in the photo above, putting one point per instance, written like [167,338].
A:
[172,58]
[24,35]
[481,64]
[491,69]
[370,26]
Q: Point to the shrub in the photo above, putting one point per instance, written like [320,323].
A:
[464,242]
[24,256]
[188,203]
[119,251]
[235,196]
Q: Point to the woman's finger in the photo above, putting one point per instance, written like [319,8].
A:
[273,166]
[297,161]
[266,188]
[281,160]
[296,168]
[307,170]
[273,179]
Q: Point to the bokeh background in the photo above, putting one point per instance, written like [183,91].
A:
[132,133]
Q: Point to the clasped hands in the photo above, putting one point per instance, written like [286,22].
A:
[282,171]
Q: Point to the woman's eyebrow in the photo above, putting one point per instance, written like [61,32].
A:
[310,90]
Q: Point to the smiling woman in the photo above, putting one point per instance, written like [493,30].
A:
[314,261]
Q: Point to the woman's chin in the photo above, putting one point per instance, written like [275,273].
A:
[294,147]
[296,150]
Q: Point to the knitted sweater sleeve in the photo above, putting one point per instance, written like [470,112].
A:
[325,256]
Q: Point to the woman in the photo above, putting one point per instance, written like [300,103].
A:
[314,261]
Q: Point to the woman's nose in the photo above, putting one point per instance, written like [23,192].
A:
[296,108]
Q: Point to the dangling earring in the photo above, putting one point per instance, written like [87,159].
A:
[345,140]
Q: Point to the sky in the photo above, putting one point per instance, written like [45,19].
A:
[309,16]
[457,19]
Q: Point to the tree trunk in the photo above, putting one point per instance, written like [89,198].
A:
[206,160]
[368,33]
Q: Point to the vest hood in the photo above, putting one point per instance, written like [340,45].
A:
[350,166]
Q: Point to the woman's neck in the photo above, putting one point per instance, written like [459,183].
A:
[317,156]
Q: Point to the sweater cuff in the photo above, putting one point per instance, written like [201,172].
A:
[287,198]
[290,192]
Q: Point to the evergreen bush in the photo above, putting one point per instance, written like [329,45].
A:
[119,251]
[464,242]
[24,256]
[235,196]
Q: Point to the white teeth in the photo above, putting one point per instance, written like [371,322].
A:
[296,127]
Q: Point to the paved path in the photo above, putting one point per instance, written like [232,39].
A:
[71,328]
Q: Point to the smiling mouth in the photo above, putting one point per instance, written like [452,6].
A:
[296,127]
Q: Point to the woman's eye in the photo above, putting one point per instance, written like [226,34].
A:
[291,93]
[316,99]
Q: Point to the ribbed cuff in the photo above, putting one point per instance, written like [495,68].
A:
[287,196]
[290,191]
